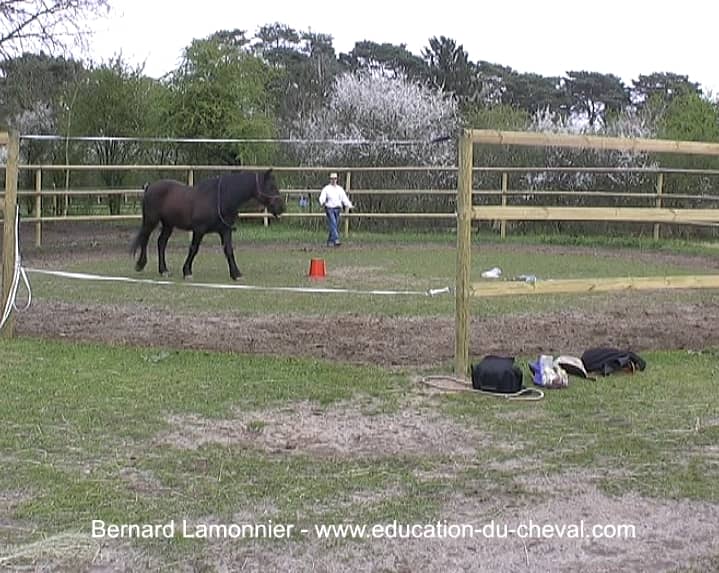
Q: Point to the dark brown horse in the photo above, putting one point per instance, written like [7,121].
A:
[209,207]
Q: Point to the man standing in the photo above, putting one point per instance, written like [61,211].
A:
[333,198]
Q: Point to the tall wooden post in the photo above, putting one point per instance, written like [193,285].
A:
[660,191]
[9,215]
[505,187]
[464,251]
[348,184]
[38,207]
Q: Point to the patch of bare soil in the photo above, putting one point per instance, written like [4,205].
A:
[341,430]
[22,548]
[11,529]
[634,322]
[114,557]
[666,535]
[142,481]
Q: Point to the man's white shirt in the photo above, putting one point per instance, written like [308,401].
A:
[333,196]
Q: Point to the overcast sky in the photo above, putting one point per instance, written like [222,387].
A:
[548,37]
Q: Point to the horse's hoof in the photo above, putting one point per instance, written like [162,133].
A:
[236,278]
[187,277]
[165,274]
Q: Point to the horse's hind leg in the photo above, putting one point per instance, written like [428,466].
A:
[140,242]
[161,246]
[194,247]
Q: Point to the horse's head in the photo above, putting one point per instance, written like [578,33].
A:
[267,193]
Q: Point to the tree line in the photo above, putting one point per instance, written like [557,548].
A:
[292,84]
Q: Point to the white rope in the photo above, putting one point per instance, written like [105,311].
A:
[458,384]
[317,290]
[18,273]
[52,137]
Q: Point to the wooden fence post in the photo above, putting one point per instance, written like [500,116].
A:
[8,255]
[347,189]
[660,190]
[464,254]
[38,207]
[266,219]
[505,186]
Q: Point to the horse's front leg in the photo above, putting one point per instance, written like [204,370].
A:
[194,247]
[226,236]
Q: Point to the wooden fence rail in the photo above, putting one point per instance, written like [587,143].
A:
[467,212]
[593,285]
[502,213]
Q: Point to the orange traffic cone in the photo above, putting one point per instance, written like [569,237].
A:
[318,269]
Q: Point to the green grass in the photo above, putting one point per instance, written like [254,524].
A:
[648,432]
[84,387]
[77,415]
[397,262]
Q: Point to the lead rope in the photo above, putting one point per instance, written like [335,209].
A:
[457,384]
[219,202]
[18,273]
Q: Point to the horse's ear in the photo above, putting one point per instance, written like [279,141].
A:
[268,173]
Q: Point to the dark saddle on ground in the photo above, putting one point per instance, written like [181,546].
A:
[607,360]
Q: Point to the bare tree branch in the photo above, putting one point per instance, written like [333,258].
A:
[51,25]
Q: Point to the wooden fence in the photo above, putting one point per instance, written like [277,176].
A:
[8,204]
[466,213]
[500,212]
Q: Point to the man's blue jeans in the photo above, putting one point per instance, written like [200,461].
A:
[333,223]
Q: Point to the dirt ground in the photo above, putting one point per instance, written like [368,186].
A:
[636,321]
[666,533]
[388,341]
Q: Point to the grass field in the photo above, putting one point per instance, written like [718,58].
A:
[399,262]
[127,434]
[86,426]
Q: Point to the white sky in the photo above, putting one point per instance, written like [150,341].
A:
[548,37]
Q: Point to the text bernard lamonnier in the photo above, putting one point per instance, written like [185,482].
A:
[183,528]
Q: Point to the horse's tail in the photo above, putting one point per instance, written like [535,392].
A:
[135,244]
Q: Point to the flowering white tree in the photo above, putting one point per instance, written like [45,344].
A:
[627,123]
[375,120]
[381,120]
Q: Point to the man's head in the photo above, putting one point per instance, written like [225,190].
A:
[333,177]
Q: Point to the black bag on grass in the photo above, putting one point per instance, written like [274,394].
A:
[497,374]
[608,360]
